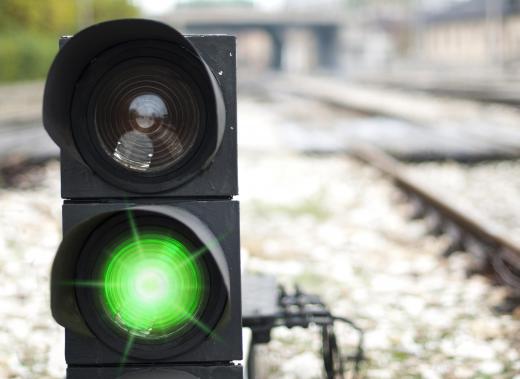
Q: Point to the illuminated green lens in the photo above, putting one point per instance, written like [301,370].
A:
[153,286]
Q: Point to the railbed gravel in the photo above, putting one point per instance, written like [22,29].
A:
[488,191]
[330,224]
[335,227]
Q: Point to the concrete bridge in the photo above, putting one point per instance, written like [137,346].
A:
[324,26]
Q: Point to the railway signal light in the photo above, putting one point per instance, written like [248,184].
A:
[146,280]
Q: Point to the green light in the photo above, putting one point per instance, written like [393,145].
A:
[153,287]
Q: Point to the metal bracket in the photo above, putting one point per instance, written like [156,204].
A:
[268,305]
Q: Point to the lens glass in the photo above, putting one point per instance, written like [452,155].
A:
[153,286]
[148,115]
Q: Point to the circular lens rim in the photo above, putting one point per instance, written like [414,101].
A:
[210,133]
[99,94]
[92,310]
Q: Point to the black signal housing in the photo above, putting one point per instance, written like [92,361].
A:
[83,66]
[145,118]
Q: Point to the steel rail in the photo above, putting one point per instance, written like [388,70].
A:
[500,254]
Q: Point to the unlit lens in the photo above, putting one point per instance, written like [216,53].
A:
[148,110]
[148,115]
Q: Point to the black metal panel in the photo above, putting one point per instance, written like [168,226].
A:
[222,218]
[156,372]
[260,305]
[261,298]
[220,179]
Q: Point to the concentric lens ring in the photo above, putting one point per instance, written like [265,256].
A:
[148,115]
[172,138]
[152,286]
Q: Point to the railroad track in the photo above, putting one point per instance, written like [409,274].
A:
[409,126]
[22,148]
[24,144]
[496,256]
[481,89]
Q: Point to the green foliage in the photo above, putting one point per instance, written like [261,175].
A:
[29,30]
[49,16]
[25,55]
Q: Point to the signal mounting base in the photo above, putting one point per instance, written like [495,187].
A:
[267,305]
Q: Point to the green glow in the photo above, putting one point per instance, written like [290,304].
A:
[153,286]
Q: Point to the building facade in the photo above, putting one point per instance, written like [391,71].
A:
[476,32]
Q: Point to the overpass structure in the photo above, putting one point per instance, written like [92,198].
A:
[324,25]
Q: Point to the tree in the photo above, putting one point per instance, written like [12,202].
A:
[29,30]
[35,15]
[59,16]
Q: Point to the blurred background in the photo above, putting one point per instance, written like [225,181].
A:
[435,83]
